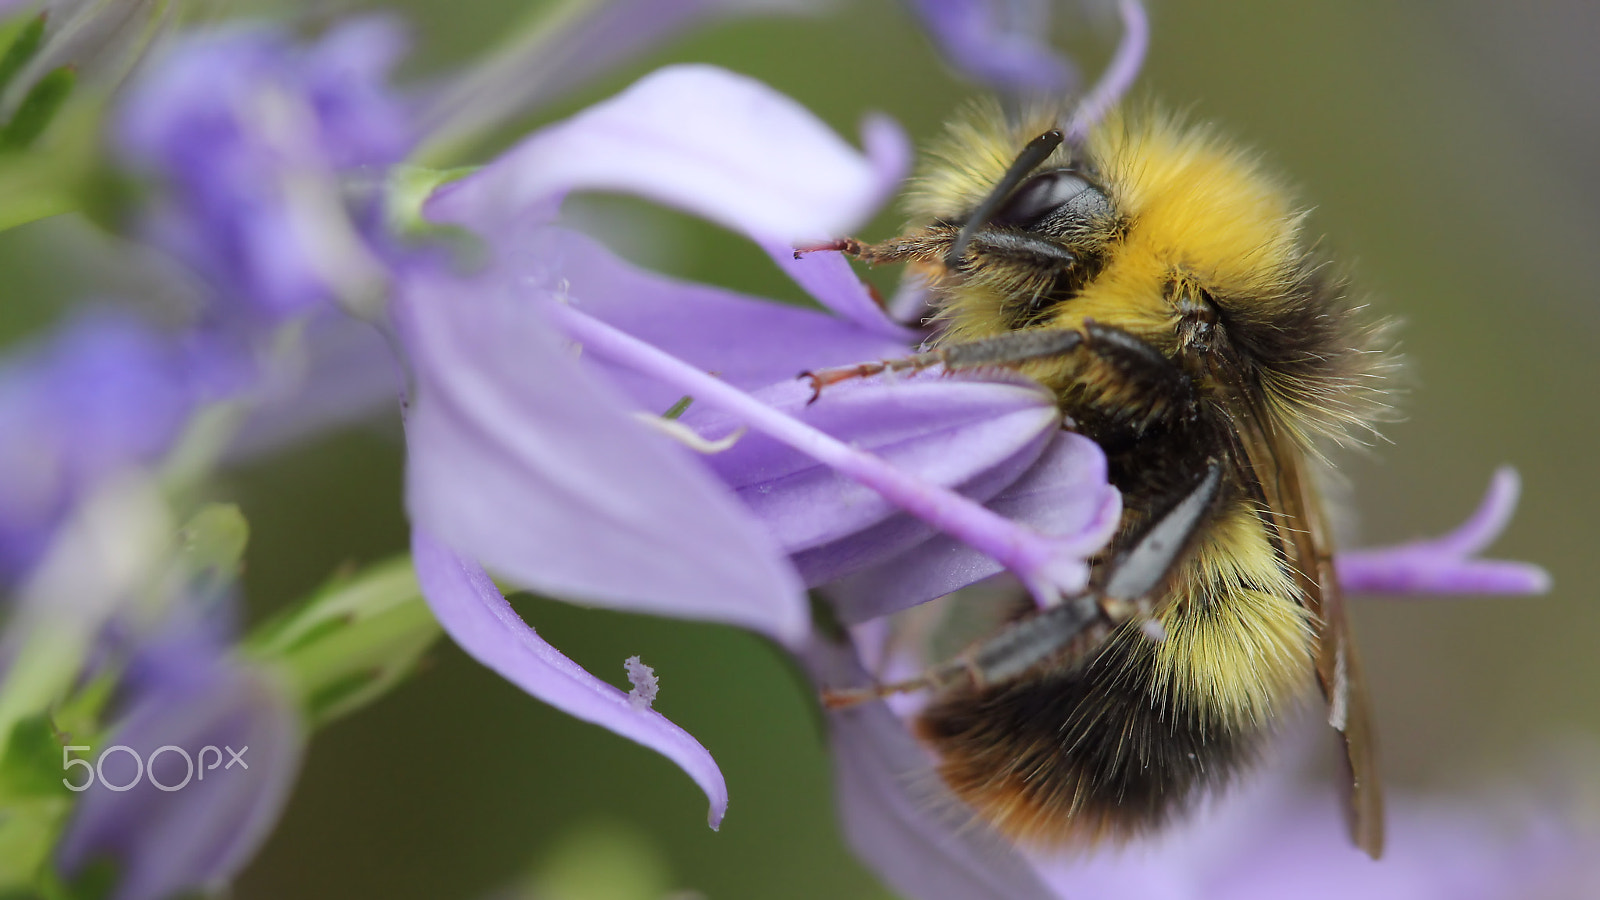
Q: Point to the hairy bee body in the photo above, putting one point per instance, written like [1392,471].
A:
[1211,335]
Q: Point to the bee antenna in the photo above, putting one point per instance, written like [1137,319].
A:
[1037,151]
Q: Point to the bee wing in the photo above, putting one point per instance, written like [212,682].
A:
[1279,467]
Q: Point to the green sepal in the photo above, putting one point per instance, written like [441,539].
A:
[31,767]
[22,38]
[29,830]
[67,175]
[34,804]
[212,544]
[31,189]
[38,109]
[351,642]
[97,880]
[409,188]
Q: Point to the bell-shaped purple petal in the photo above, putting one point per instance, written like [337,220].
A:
[975,436]
[1449,564]
[251,135]
[523,460]
[828,277]
[104,392]
[1063,493]
[734,151]
[190,782]
[747,341]
[1277,839]
[1004,44]
[1119,75]
[477,616]
[698,138]
[1049,565]
[896,814]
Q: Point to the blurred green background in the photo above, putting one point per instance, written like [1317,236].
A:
[1449,150]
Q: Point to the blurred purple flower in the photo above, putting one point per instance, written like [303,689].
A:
[555,468]
[1003,44]
[213,748]
[1448,565]
[258,141]
[105,392]
[1269,839]
[1262,843]
[545,62]
[1277,839]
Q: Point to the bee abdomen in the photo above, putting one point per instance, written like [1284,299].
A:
[1082,757]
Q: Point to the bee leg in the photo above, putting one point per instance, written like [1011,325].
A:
[1031,157]
[1085,619]
[891,251]
[1041,258]
[847,246]
[1007,349]
[1071,630]
[1126,360]
[1138,571]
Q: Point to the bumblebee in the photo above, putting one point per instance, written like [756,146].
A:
[1156,279]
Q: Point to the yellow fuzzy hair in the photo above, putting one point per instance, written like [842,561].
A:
[1200,211]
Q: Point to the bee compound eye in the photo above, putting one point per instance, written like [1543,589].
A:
[1054,197]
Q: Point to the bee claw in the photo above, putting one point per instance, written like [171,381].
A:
[816,381]
[845,698]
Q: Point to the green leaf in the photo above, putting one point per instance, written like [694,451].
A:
[31,766]
[24,40]
[31,189]
[36,183]
[34,804]
[38,109]
[28,833]
[97,881]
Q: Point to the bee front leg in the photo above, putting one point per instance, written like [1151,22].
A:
[1009,349]
[1068,633]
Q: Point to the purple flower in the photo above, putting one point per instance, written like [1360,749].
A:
[1001,43]
[536,440]
[191,779]
[548,60]
[1278,839]
[1448,565]
[1271,838]
[257,140]
[478,618]
[104,393]
[1004,44]
[1268,841]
